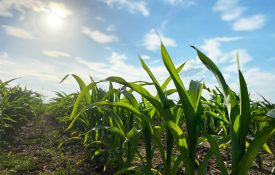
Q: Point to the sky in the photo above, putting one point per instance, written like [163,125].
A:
[42,41]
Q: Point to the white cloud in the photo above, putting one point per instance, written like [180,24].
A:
[232,12]
[260,82]
[250,23]
[55,54]
[151,41]
[229,9]
[4,55]
[99,36]
[212,48]
[154,61]
[37,74]
[145,57]
[99,18]
[182,3]
[7,7]
[44,74]
[59,9]
[18,32]
[244,58]
[132,6]
[226,59]
[111,28]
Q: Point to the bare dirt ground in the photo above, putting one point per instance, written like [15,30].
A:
[33,150]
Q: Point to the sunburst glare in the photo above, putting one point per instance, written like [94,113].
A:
[55,18]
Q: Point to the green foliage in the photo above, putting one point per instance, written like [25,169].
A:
[118,130]
[16,163]
[17,105]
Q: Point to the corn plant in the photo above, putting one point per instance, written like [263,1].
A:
[240,118]
[17,105]
[117,126]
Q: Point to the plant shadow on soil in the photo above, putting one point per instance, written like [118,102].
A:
[33,150]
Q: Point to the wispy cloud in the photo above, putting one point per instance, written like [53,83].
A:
[4,55]
[232,12]
[154,61]
[151,41]
[226,61]
[39,75]
[150,60]
[99,36]
[59,9]
[250,23]
[254,78]
[231,65]
[8,7]
[55,54]
[181,3]
[100,18]
[18,32]
[133,6]
[229,9]
[145,57]
[111,28]
[212,48]
[43,75]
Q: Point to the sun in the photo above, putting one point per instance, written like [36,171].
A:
[55,18]
[54,22]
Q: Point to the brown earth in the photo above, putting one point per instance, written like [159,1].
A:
[33,150]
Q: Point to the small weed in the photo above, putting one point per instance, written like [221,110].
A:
[15,163]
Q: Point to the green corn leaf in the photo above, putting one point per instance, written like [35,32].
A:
[130,108]
[64,78]
[215,70]
[253,150]
[232,108]
[167,81]
[183,147]
[215,148]
[195,90]
[82,85]
[267,149]
[7,82]
[138,88]
[203,165]
[132,133]
[79,98]
[188,109]
[117,130]
[244,112]
[221,118]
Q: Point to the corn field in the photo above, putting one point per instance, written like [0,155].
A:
[124,128]
[114,126]
[17,106]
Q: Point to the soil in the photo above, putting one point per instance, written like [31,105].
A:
[33,150]
[37,144]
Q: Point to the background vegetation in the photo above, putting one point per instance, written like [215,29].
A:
[125,135]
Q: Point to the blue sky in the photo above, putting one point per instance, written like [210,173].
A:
[42,41]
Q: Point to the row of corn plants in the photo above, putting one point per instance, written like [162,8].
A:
[17,105]
[115,127]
